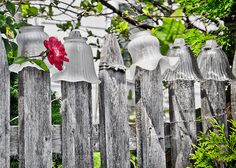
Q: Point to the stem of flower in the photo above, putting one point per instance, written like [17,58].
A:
[40,55]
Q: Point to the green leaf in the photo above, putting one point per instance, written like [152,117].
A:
[14,47]
[90,33]
[50,11]
[9,32]
[24,9]
[99,7]
[78,24]
[9,20]
[65,26]
[130,95]
[56,2]
[123,26]
[177,13]
[145,11]
[33,11]
[11,8]
[141,18]
[171,29]
[84,3]
[20,60]
[40,63]
[7,44]
[2,20]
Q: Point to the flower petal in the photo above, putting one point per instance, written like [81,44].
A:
[57,53]
[66,59]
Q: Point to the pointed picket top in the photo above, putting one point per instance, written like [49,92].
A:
[111,53]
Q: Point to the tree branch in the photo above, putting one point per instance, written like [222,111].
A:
[128,19]
[140,11]
[157,3]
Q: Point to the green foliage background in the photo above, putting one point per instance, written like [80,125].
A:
[216,149]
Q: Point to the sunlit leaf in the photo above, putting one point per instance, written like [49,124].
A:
[40,63]
[24,9]
[33,11]
[177,13]
[99,7]
[9,32]
[145,11]
[171,29]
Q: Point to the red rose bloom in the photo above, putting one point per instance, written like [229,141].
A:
[56,52]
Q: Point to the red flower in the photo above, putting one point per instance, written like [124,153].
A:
[56,52]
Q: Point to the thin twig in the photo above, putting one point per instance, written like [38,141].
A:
[14,118]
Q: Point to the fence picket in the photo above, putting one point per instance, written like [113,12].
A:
[35,130]
[114,128]
[233,83]
[213,103]
[4,108]
[150,120]
[77,146]
[182,113]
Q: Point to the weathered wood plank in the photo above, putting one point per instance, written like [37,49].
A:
[182,118]
[213,103]
[57,139]
[150,121]
[147,139]
[4,108]
[14,140]
[114,130]
[77,145]
[233,84]
[34,119]
[233,97]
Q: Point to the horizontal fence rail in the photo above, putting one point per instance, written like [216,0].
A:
[57,138]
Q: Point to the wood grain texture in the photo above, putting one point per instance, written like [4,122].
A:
[150,121]
[233,98]
[213,103]
[77,145]
[14,141]
[4,108]
[57,139]
[35,130]
[183,130]
[233,85]
[114,128]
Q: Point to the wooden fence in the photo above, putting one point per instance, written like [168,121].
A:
[158,144]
